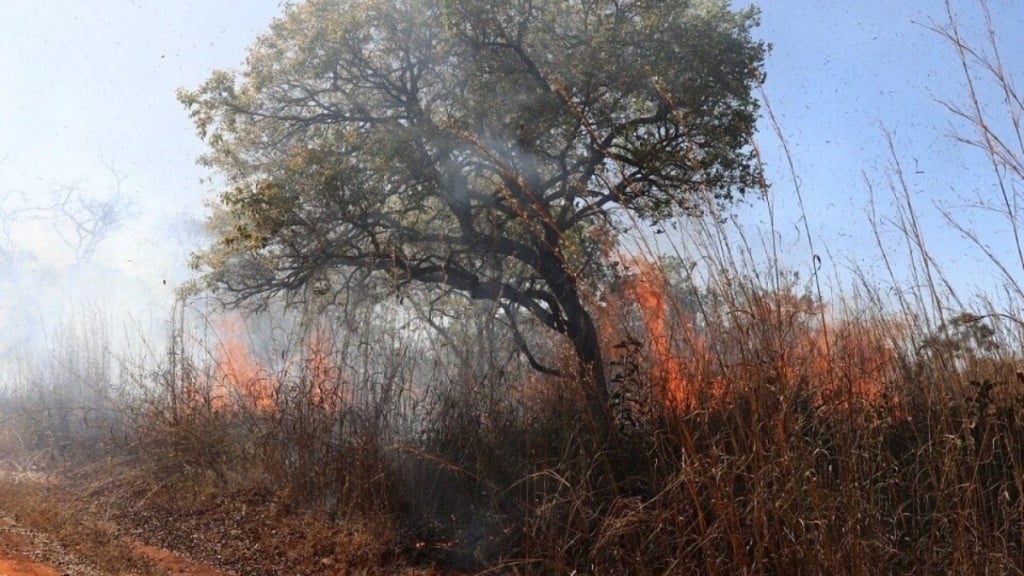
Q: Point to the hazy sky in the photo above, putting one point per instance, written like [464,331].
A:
[88,101]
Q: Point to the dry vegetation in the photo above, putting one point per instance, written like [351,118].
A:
[763,434]
[759,429]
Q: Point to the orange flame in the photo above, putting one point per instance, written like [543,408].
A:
[323,381]
[648,289]
[677,359]
[842,359]
[238,378]
[862,362]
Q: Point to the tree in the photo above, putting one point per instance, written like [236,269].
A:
[490,149]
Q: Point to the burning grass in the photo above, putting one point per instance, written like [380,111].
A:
[766,433]
[758,429]
[776,442]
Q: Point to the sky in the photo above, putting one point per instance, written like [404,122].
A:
[841,75]
[88,105]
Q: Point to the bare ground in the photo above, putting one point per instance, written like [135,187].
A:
[62,542]
[95,523]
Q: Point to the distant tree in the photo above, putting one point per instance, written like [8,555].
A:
[490,149]
[965,335]
[77,220]
[83,223]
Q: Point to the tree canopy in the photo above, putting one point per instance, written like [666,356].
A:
[491,149]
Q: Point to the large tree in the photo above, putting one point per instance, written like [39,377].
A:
[491,149]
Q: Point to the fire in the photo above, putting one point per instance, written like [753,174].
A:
[239,379]
[792,339]
[676,357]
[860,359]
[772,335]
[324,384]
[648,289]
[840,359]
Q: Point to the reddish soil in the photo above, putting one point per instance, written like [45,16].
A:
[173,563]
[30,552]
[14,561]
[187,531]
[251,533]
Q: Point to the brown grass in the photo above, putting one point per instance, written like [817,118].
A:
[761,430]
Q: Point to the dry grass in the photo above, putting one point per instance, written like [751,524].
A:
[761,430]
[780,442]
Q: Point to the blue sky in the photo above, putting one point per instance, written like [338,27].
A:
[88,102]
[840,73]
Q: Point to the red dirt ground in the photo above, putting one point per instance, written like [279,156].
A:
[13,561]
[25,552]
[246,533]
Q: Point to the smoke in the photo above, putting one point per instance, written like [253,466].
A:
[100,198]
[73,255]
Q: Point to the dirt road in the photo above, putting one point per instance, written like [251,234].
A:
[29,552]
[94,524]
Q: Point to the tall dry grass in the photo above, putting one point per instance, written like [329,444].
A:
[760,428]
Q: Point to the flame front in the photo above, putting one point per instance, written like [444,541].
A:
[781,333]
[648,289]
[239,379]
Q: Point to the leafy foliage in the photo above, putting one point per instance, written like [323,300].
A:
[490,149]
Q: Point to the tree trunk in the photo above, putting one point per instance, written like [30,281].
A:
[586,344]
